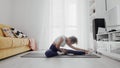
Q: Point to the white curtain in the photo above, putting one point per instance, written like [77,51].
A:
[69,18]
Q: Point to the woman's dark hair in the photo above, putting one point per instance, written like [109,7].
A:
[73,39]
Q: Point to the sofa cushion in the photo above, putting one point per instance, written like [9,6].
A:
[20,42]
[5,42]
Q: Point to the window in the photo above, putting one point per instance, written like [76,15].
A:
[64,19]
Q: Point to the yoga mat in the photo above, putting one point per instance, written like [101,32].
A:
[41,55]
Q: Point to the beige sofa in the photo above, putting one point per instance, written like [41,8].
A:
[12,46]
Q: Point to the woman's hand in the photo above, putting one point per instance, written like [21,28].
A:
[63,50]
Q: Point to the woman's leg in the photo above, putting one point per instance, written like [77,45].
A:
[75,52]
[49,53]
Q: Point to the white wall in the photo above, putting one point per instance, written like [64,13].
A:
[112,3]
[30,17]
[5,11]
[82,19]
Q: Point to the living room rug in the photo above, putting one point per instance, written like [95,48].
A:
[41,55]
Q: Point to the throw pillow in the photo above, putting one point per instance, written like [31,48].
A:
[7,32]
[18,34]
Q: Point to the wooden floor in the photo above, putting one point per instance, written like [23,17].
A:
[18,62]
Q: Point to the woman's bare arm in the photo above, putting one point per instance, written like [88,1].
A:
[58,43]
[58,46]
[76,48]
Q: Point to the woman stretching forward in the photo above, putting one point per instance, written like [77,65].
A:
[61,41]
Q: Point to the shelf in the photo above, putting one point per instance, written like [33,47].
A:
[102,34]
[91,2]
[109,33]
[92,11]
[92,6]
[92,16]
